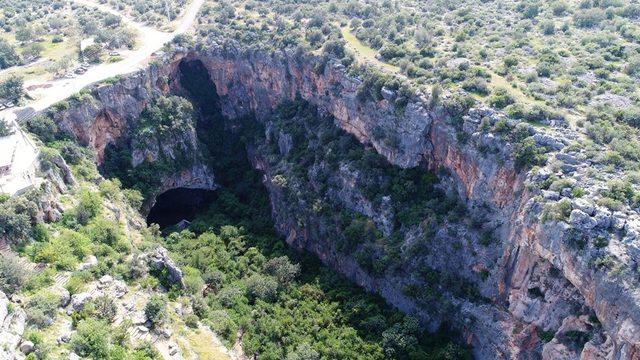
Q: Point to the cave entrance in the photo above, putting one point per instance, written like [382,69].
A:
[175,206]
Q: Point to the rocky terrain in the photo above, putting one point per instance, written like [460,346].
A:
[554,269]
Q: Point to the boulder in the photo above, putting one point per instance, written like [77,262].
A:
[586,206]
[26,347]
[64,338]
[159,259]
[78,301]
[65,297]
[166,333]
[548,141]
[603,218]
[581,220]
[91,262]
[388,94]
[106,280]
[138,318]
[550,195]
[12,324]
[567,158]
[618,220]
[142,329]
[120,289]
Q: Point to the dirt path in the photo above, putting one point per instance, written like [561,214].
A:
[152,41]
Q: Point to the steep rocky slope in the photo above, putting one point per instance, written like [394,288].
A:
[540,286]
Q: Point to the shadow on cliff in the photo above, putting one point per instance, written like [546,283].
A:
[224,151]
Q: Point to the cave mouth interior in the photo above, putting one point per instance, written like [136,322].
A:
[179,204]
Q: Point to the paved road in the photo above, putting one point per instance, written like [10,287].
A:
[25,160]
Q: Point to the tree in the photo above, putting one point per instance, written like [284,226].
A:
[422,37]
[92,339]
[43,126]
[531,11]
[104,231]
[93,53]
[156,311]
[12,274]
[42,310]
[501,98]
[304,351]
[193,282]
[62,65]
[14,226]
[8,55]
[527,153]
[89,207]
[33,50]
[105,308]
[282,269]
[5,129]
[11,88]
[588,18]
[401,339]
[24,34]
[261,287]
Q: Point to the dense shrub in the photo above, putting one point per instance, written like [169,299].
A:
[528,153]
[501,98]
[11,88]
[261,287]
[156,311]
[91,339]
[589,17]
[15,222]
[42,310]
[8,55]
[13,274]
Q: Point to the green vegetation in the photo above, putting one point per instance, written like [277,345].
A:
[539,61]
[256,284]
[155,310]
[160,123]
[42,310]
[52,30]
[8,55]
[557,211]
[156,13]
[13,275]
[11,88]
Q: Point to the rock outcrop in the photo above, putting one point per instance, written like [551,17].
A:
[159,260]
[12,323]
[544,295]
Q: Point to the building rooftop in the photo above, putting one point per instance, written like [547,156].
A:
[7,147]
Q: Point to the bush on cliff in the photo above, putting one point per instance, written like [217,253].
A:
[13,275]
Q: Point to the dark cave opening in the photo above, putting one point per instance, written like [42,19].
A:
[176,205]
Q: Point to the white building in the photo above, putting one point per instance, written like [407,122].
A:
[8,146]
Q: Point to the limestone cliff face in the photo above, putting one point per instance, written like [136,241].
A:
[110,112]
[545,298]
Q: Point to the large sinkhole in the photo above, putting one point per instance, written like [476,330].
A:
[301,155]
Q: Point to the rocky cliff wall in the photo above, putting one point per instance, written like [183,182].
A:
[545,296]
